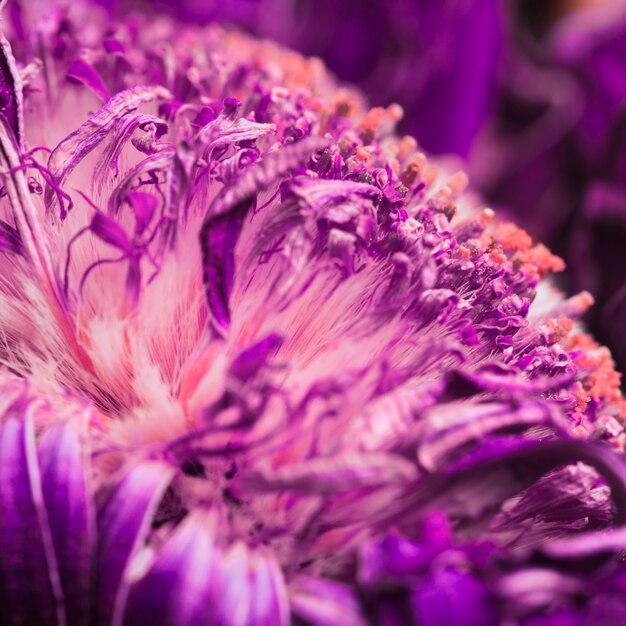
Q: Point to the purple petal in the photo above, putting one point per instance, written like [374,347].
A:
[450,596]
[71,515]
[123,523]
[82,72]
[335,473]
[218,238]
[82,141]
[251,360]
[182,586]
[223,131]
[11,92]
[28,564]
[107,229]
[144,206]
[221,228]
[10,240]
[445,434]
[254,592]
[319,194]
[263,173]
[325,603]
[476,486]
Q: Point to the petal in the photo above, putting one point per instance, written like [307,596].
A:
[476,486]
[261,174]
[82,72]
[182,586]
[249,361]
[66,156]
[71,515]
[450,596]
[10,240]
[223,131]
[123,524]
[144,206]
[218,238]
[448,428]
[107,229]
[28,565]
[325,603]
[335,473]
[254,592]
[318,194]
[11,92]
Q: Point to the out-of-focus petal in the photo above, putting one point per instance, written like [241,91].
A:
[254,592]
[29,567]
[183,585]
[123,522]
[71,515]
[325,603]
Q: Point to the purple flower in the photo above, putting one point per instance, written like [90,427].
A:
[438,60]
[264,363]
[554,154]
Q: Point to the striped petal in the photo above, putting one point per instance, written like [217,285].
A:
[182,586]
[123,524]
[28,566]
[71,515]
[254,591]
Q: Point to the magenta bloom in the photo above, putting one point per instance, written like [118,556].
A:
[263,363]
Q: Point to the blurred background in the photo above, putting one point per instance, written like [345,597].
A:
[529,94]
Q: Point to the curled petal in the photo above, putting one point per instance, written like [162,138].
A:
[263,173]
[475,486]
[318,194]
[443,436]
[223,131]
[68,154]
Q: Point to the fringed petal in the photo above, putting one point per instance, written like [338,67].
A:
[68,154]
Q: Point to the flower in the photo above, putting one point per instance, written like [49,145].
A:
[265,362]
[556,141]
[528,93]
[422,55]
